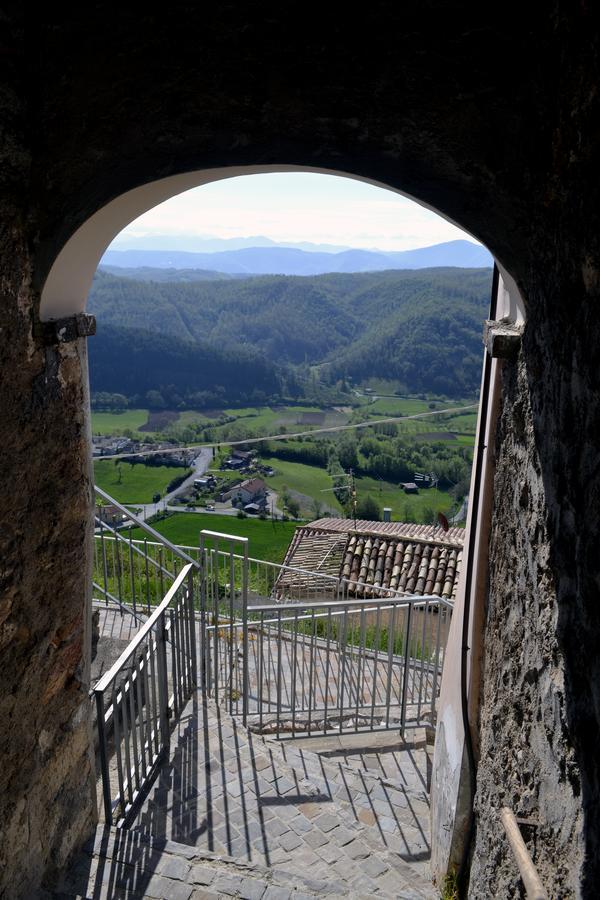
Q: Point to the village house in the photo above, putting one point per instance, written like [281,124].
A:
[253,490]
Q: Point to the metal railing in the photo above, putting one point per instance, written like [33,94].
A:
[329,662]
[133,575]
[291,650]
[149,683]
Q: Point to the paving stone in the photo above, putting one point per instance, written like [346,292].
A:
[310,809]
[356,849]
[387,824]
[201,875]
[276,893]
[231,808]
[326,822]
[228,883]
[316,838]
[329,853]
[252,889]
[173,867]
[166,889]
[301,825]
[290,841]
[343,836]
[367,817]
[374,867]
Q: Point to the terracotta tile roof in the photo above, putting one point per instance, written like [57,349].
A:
[253,485]
[316,552]
[408,558]
[454,536]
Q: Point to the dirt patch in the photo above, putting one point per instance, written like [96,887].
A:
[312,418]
[159,420]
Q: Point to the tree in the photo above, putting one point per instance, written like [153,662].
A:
[293,507]
[368,508]
[316,507]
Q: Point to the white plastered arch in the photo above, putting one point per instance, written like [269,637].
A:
[68,283]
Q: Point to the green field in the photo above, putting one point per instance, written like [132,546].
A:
[405,507]
[118,422]
[308,480]
[134,484]
[392,406]
[266,539]
[466,423]
[313,481]
[267,420]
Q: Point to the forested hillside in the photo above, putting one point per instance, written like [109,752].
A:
[161,371]
[421,327]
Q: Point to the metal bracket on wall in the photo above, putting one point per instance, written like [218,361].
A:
[62,331]
[502,339]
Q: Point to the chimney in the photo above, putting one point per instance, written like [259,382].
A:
[387,514]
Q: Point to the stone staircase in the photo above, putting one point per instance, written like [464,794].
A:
[235,814]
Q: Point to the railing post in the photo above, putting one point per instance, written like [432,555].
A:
[163,685]
[406,669]
[191,617]
[104,756]
[204,643]
[245,643]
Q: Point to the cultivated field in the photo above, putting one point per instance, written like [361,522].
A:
[266,539]
[118,422]
[134,484]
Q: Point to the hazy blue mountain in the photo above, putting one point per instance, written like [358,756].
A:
[460,253]
[280,260]
[208,244]
[180,276]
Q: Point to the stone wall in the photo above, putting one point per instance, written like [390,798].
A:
[527,760]
[492,118]
[46,776]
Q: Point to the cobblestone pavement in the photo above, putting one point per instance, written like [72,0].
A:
[123,865]
[284,807]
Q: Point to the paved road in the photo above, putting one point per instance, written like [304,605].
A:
[199,465]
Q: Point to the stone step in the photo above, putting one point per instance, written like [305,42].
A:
[261,801]
[117,863]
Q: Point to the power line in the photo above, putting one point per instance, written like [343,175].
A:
[332,429]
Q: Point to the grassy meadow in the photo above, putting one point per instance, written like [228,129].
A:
[116,423]
[133,484]
[266,539]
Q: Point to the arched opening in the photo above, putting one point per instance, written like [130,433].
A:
[67,283]
[64,294]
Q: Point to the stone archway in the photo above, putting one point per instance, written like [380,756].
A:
[66,285]
[64,294]
[493,121]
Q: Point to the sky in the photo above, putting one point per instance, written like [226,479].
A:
[295,207]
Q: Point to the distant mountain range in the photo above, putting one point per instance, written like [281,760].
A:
[209,244]
[282,260]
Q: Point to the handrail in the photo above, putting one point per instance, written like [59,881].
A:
[115,535]
[404,600]
[533,885]
[106,679]
[328,611]
[159,538]
[122,606]
[144,688]
[392,593]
